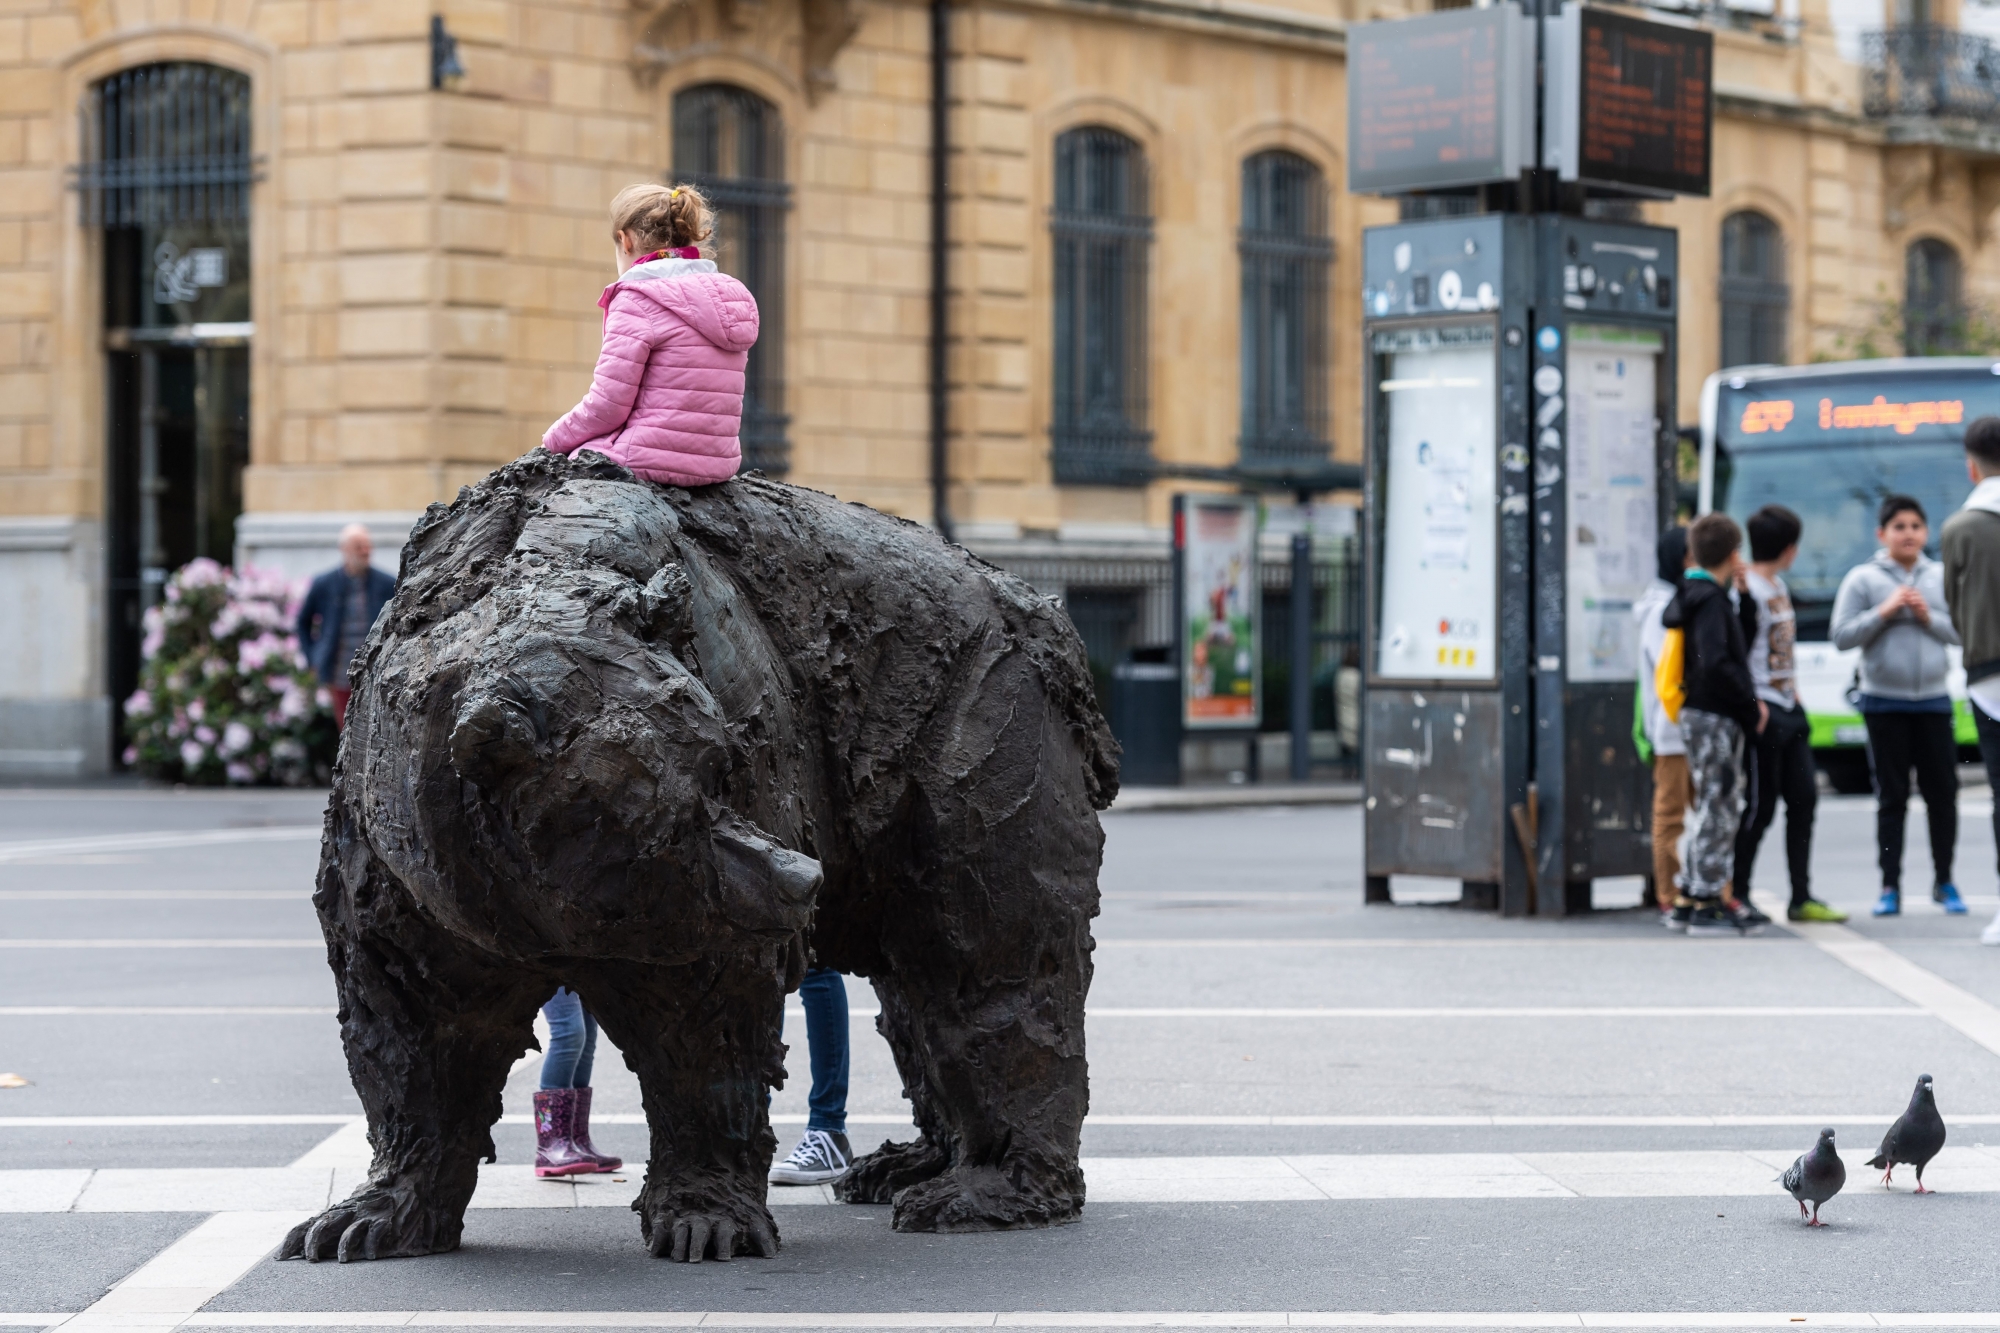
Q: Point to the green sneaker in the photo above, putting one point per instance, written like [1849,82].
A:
[1812,909]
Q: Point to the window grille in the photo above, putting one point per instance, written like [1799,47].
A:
[730,144]
[166,145]
[1933,302]
[1103,233]
[1756,299]
[1285,255]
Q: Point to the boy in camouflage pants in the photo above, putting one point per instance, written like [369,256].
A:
[1721,709]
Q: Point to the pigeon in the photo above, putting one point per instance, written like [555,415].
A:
[1816,1177]
[1916,1137]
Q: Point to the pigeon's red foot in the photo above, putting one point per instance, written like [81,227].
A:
[1922,1190]
[1817,1223]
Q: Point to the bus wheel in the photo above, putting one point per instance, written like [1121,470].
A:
[1846,771]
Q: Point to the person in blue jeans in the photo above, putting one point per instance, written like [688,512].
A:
[562,1106]
[822,1154]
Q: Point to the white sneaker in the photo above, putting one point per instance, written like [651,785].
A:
[1991,935]
[821,1156]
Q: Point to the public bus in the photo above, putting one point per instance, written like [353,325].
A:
[1828,442]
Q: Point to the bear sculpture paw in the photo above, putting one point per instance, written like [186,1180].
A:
[378,1222]
[688,1229]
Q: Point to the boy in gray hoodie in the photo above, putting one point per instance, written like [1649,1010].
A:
[1893,609]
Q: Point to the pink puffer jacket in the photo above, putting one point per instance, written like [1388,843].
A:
[666,399]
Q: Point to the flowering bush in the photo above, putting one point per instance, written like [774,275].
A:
[224,695]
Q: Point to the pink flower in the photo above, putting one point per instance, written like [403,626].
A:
[205,734]
[139,704]
[197,710]
[131,755]
[238,772]
[236,738]
[192,755]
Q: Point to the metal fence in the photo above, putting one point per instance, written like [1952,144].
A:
[1927,70]
[1123,610]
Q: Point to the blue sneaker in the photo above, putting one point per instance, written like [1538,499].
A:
[1947,896]
[1890,903]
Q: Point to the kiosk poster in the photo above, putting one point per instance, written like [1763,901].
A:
[1612,494]
[1438,419]
[1221,659]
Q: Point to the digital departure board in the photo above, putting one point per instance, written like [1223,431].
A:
[1441,100]
[1629,101]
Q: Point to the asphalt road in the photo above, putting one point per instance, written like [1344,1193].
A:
[1248,1013]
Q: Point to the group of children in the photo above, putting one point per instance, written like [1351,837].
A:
[1719,714]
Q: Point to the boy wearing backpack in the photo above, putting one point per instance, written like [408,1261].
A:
[1720,709]
[1658,736]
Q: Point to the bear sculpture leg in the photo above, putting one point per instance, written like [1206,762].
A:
[704,1075]
[431,1028]
[986,962]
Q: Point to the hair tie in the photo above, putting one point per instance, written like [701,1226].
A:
[674,193]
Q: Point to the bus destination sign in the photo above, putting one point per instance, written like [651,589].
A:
[1440,100]
[1630,102]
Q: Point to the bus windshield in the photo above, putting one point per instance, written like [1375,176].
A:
[1830,446]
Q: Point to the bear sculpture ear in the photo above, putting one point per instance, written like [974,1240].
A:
[666,609]
[764,886]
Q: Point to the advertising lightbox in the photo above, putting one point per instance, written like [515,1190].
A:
[1221,654]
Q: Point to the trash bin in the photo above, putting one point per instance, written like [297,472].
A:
[1146,719]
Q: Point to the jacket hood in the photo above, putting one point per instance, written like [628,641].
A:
[1689,598]
[713,304]
[1882,560]
[1986,495]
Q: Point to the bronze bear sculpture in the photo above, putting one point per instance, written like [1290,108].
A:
[662,746]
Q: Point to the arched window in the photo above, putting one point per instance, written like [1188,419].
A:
[1756,299]
[1285,254]
[1933,305]
[730,144]
[1103,232]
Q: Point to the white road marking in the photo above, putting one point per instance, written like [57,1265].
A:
[164,1010]
[164,840]
[334,1169]
[177,1121]
[188,1274]
[162,944]
[1839,1118]
[1463,1319]
[1675,1012]
[1919,985]
[1661,939]
[154,895]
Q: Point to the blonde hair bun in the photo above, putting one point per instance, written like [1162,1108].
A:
[660,217]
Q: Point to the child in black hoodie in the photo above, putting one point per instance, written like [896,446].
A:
[1721,709]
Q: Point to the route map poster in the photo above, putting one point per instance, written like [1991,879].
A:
[1611,494]
[1222,664]
[1436,608]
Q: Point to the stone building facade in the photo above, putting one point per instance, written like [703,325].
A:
[379,278]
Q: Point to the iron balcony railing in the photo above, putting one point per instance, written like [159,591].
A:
[1927,70]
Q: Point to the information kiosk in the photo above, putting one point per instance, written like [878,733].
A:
[1521,434]
[1521,450]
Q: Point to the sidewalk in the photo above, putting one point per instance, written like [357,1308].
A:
[1236,796]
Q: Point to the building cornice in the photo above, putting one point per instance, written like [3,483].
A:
[1231,18]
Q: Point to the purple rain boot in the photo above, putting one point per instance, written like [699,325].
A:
[579,1133]
[556,1153]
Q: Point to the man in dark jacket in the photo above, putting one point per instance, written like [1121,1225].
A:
[338,612]
[1971,549]
[1720,709]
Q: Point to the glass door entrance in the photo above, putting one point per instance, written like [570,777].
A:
[166,183]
